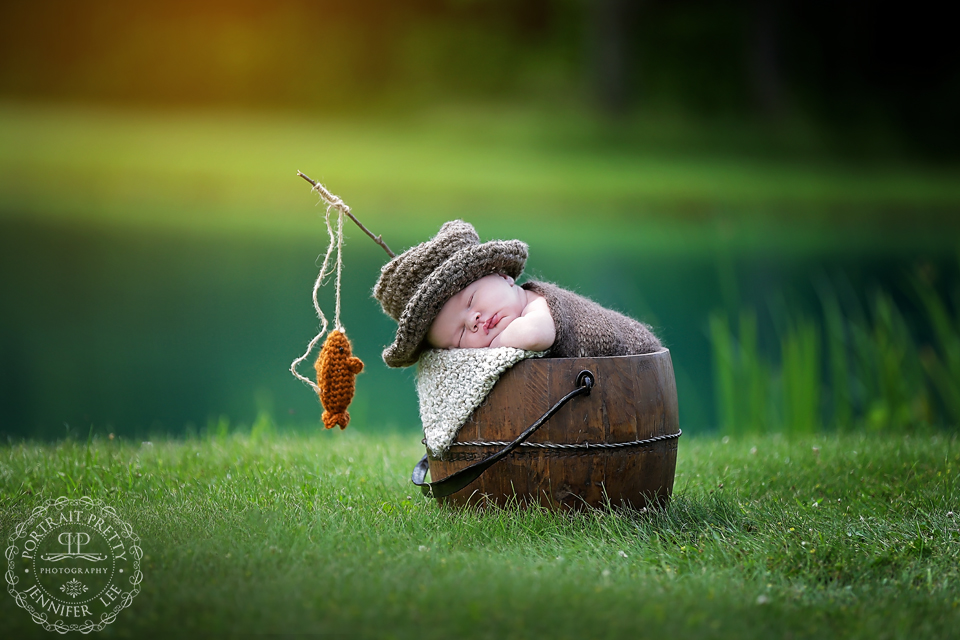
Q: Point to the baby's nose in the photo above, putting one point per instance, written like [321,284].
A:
[475,322]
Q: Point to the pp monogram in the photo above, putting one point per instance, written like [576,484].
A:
[74,565]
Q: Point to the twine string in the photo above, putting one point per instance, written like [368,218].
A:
[336,313]
[326,269]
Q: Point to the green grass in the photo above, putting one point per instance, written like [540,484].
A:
[843,536]
[532,174]
[878,376]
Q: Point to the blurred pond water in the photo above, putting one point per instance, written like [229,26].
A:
[137,333]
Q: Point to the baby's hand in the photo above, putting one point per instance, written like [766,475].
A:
[534,330]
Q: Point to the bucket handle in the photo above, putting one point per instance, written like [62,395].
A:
[457,481]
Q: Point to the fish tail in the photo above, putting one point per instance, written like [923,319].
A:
[332,419]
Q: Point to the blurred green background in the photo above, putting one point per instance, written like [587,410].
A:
[774,186]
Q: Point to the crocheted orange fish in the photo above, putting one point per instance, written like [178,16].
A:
[336,376]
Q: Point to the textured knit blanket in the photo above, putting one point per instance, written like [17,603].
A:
[451,383]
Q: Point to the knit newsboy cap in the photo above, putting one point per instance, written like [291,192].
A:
[415,285]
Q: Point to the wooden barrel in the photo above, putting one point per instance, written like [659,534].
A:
[634,398]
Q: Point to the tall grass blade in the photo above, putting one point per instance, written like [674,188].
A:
[901,399]
[942,365]
[836,337]
[754,376]
[724,371]
[800,352]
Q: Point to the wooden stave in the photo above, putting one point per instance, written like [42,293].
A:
[634,476]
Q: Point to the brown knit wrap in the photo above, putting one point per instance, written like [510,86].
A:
[585,329]
[415,285]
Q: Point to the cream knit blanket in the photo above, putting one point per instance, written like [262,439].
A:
[452,383]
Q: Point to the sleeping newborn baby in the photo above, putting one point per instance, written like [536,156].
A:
[454,292]
[493,312]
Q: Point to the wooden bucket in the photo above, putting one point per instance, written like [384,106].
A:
[631,412]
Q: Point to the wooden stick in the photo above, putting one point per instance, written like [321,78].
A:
[334,201]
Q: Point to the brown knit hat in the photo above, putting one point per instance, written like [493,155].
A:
[415,285]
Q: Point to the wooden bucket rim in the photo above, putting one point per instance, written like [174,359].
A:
[650,354]
[584,365]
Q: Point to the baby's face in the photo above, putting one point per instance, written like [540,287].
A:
[476,315]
